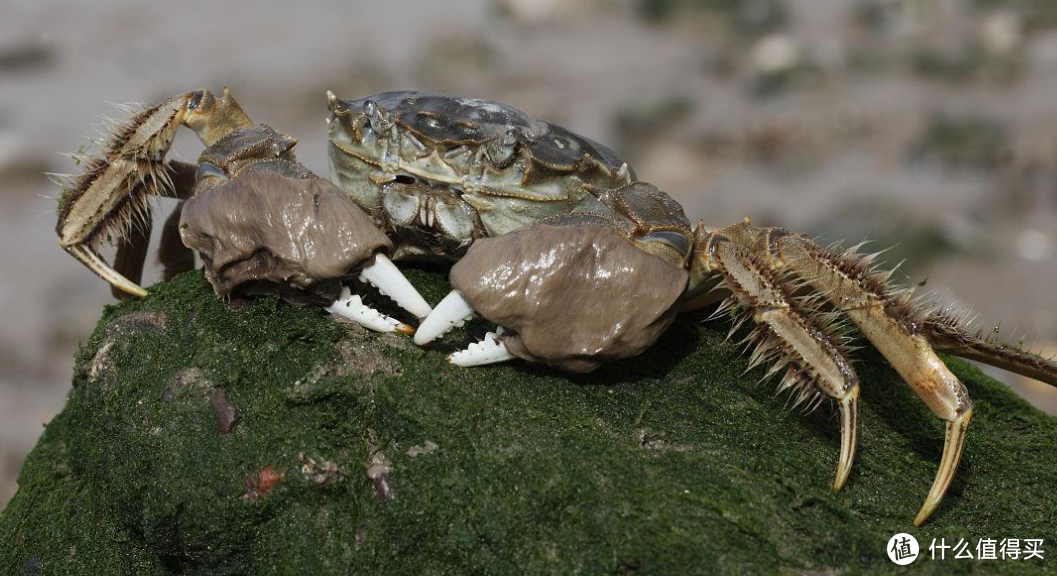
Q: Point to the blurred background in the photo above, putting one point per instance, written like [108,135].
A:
[928,124]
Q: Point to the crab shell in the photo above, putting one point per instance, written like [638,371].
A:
[499,168]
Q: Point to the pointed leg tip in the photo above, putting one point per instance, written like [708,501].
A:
[838,483]
[849,426]
[953,447]
[926,510]
[405,329]
[135,290]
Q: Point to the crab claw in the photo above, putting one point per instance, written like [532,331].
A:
[266,231]
[491,350]
[387,278]
[351,307]
[453,311]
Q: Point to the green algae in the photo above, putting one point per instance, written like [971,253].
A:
[388,460]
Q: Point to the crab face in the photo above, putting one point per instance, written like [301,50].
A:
[497,168]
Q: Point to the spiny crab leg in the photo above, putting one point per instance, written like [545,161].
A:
[351,307]
[790,332]
[116,186]
[387,278]
[882,316]
[453,311]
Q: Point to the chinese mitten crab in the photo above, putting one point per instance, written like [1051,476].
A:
[553,238]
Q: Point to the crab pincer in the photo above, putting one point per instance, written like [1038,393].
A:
[566,291]
[298,235]
[261,221]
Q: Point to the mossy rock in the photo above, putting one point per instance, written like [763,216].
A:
[212,437]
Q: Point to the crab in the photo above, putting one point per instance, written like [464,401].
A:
[553,239]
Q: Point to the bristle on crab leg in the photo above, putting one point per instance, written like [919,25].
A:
[454,310]
[491,350]
[351,306]
[387,278]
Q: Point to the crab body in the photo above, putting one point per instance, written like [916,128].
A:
[441,171]
[553,238]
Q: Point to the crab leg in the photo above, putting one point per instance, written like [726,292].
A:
[173,255]
[116,186]
[132,254]
[789,333]
[888,324]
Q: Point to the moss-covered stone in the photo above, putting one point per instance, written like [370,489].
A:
[206,438]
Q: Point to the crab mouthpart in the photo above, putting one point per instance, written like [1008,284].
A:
[89,258]
[351,307]
[491,350]
[387,278]
[453,311]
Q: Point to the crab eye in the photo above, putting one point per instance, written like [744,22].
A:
[676,240]
[207,171]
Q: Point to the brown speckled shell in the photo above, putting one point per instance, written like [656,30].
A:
[456,120]
[571,296]
[265,232]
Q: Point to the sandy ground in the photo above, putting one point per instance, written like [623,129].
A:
[927,124]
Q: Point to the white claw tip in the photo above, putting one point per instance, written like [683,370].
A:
[450,312]
[351,306]
[387,278]
[488,351]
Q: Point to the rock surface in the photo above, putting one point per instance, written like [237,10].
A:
[200,438]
